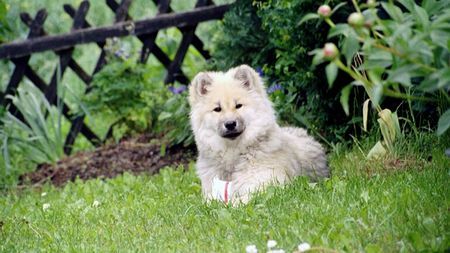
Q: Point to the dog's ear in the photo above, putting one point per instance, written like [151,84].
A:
[200,86]
[249,77]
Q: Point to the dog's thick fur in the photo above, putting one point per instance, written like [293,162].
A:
[239,140]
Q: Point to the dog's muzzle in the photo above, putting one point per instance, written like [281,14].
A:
[231,129]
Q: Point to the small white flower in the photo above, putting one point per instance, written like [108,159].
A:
[43,194]
[251,249]
[45,206]
[271,244]
[96,203]
[302,247]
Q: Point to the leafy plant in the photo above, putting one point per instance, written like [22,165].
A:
[174,119]
[404,55]
[139,102]
[37,138]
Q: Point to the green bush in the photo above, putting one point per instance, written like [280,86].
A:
[266,34]
[403,55]
[121,92]
[138,101]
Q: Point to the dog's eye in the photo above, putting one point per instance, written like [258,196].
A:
[238,106]
[217,109]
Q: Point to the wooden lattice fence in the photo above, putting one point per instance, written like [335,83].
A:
[82,32]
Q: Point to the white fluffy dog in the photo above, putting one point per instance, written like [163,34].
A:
[239,140]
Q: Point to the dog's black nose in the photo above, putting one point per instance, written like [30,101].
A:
[230,125]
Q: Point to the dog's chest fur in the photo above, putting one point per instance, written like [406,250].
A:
[230,161]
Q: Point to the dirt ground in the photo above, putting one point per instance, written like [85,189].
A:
[135,155]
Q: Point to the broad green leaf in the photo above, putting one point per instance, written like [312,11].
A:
[378,58]
[331,70]
[337,7]
[376,91]
[409,4]
[437,80]
[339,29]
[422,17]
[402,74]
[350,47]
[318,57]
[440,37]
[308,17]
[345,93]
[394,12]
[443,123]
[164,115]
[433,7]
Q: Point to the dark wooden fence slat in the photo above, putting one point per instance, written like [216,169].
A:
[122,11]
[17,75]
[175,66]
[80,72]
[188,35]
[164,59]
[78,122]
[64,41]
[66,55]
[196,42]
[101,60]
[149,41]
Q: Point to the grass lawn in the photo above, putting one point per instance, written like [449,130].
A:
[362,207]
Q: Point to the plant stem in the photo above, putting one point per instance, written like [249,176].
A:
[330,22]
[366,83]
[355,4]
[396,94]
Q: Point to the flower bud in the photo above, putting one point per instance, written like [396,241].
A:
[356,19]
[371,3]
[324,11]
[330,51]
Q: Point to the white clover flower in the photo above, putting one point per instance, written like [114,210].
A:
[251,249]
[302,247]
[45,206]
[43,194]
[96,203]
[271,244]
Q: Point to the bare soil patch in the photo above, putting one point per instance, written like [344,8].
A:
[134,155]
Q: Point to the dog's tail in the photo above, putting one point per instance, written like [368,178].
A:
[310,153]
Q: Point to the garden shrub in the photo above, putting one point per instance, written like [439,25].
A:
[138,102]
[398,50]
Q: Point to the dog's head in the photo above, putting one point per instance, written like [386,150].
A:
[230,104]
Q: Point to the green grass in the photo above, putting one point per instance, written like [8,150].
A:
[363,207]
